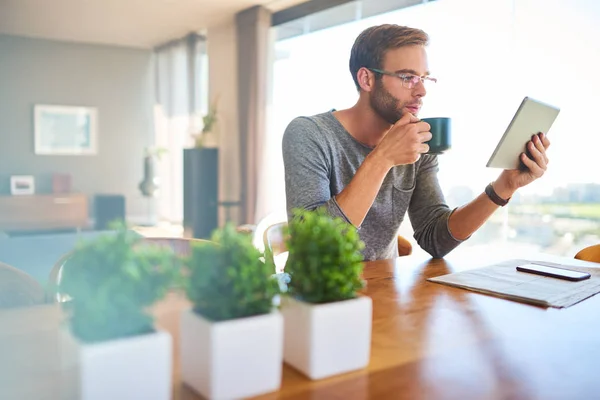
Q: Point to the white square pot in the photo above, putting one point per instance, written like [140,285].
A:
[137,367]
[322,340]
[234,358]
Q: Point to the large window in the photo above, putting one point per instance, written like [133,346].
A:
[487,56]
[180,65]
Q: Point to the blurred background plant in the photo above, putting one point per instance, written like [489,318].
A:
[111,280]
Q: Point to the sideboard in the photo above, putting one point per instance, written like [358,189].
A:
[43,212]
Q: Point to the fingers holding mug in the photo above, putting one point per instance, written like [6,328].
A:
[440,131]
[425,137]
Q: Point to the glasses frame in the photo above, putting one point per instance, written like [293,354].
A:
[402,75]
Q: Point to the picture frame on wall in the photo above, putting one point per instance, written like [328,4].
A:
[22,184]
[65,130]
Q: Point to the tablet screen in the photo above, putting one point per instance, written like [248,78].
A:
[532,117]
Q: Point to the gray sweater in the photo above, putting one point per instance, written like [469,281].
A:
[320,159]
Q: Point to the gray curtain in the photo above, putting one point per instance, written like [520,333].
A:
[253,27]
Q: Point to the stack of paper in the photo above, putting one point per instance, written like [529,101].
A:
[503,280]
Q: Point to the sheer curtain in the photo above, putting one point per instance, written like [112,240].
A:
[181,89]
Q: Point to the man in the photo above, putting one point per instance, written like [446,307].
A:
[367,164]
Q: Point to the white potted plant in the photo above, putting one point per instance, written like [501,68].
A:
[327,323]
[111,282]
[232,338]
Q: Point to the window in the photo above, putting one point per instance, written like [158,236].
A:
[487,57]
[178,112]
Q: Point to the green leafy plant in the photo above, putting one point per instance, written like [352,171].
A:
[325,259]
[209,121]
[156,152]
[227,278]
[111,280]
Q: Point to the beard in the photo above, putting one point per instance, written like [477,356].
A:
[385,105]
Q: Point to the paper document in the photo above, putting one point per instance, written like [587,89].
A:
[503,280]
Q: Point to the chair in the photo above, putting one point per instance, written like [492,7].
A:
[19,289]
[261,227]
[275,247]
[247,229]
[181,247]
[404,247]
[590,253]
[274,241]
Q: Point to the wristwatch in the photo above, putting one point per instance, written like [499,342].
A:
[491,193]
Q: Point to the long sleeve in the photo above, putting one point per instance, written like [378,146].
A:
[308,169]
[429,213]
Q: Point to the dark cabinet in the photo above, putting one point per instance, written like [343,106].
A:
[200,191]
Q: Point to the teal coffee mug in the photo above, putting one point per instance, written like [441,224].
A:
[440,134]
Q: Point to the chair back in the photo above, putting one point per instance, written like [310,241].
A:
[247,229]
[19,289]
[404,247]
[590,253]
[264,223]
[274,239]
[275,246]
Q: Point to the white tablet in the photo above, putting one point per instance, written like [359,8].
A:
[532,117]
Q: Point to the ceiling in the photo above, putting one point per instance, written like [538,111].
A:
[133,23]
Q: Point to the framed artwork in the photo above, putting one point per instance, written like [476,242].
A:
[65,130]
[22,184]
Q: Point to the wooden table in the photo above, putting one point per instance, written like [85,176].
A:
[431,341]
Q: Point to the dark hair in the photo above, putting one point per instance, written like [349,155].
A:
[372,44]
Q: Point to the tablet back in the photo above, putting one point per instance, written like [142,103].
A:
[532,117]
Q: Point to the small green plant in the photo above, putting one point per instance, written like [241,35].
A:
[156,152]
[210,119]
[111,280]
[208,124]
[325,259]
[227,278]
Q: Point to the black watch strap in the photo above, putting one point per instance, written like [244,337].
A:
[491,193]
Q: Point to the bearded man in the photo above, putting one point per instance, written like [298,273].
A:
[368,164]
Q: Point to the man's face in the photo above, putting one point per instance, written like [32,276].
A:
[389,98]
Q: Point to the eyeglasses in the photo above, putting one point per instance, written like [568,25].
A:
[409,81]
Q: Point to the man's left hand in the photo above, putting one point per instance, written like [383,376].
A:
[512,179]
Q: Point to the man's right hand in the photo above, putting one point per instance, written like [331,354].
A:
[404,142]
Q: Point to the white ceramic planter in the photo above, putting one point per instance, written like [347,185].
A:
[138,367]
[327,339]
[232,359]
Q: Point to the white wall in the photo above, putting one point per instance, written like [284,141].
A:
[118,81]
